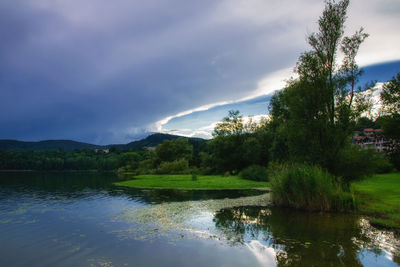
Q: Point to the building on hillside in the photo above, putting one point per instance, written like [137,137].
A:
[372,138]
[104,151]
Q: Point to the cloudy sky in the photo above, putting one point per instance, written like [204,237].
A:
[105,71]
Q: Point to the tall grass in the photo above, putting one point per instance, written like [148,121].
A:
[309,188]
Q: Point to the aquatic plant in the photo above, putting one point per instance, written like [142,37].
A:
[310,188]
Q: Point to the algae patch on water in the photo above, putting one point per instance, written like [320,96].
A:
[374,238]
[182,219]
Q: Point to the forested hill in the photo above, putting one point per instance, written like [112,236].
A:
[69,145]
[154,140]
[66,145]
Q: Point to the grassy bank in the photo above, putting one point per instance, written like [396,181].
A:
[203,182]
[380,199]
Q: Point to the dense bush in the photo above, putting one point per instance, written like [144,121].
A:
[254,172]
[395,160]
[383,165]
[145,167]
[354,163]
[174,150]
[174,167]
[195,174]
[310,188]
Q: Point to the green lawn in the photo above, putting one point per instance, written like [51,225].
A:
[186,182]
[380,199]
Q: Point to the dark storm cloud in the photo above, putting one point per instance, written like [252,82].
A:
[106,71]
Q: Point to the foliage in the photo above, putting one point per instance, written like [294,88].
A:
[237,145]
[383,165]
[230,125]
[131,160]
[391,131]
[310,188]
[195,174]
[390,98]
[354,163]
[364,122]
[226,147]
[207,165]
[146,166]
[313,117]
[256,146]
[59,160]
[173,167]
[254,172]
[395,159]
[172,150]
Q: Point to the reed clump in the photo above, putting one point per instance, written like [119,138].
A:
[310,188]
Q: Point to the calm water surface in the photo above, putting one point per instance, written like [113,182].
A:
[81,219]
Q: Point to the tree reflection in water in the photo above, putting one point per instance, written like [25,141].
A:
[308,239]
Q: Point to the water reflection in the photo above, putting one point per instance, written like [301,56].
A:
[72,219]
[78,185]
[302,239]
[82,219]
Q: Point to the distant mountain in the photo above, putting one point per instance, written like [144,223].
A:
[69,145]
[156,139]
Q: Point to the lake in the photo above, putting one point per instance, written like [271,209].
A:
[82,219]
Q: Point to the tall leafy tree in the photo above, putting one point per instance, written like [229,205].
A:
[390,98]
[316,113]
[171,150]
[226,146]
[238,144]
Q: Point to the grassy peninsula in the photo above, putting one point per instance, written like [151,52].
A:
[203,182]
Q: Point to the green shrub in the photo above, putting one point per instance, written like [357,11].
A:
[145,167]
[173,167]
[310,188]
[395,159]
[354,163]
[383,165]
[254,172]
[122,169]
[206,171]
[195,173]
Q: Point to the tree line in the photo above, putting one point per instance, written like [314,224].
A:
[87,159]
